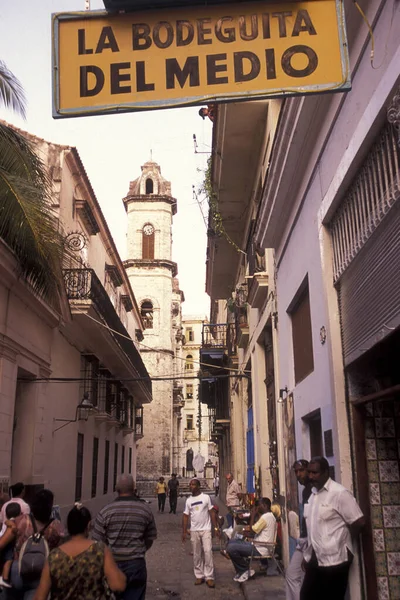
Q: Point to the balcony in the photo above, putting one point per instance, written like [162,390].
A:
[114,347]
[218,336]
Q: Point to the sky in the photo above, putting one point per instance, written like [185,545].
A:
[114,147]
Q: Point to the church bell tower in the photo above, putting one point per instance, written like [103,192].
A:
[150,208]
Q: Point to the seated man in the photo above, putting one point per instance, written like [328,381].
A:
[264,531]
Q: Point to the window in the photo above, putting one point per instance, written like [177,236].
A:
[189,363]
[139,420]
[149,186]
[79,468]
[146,312]
[115,466]
[302,334]
[89,375]
[106,467]
[189,391]
[313,421]
[95,460]
[189,421]
[122,460]
[130,461]
[148,242]
[189,334]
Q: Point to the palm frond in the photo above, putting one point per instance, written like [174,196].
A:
[12,94]
[27,222]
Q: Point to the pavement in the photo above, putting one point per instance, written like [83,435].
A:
[170,567]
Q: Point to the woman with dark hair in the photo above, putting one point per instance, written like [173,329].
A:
[80,569]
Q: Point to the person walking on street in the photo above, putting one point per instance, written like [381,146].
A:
[81,568]
[198,508]
[294,573]
[173,485]
[333,517]
[161,491]
[265,533]
[233,496]
[127,526]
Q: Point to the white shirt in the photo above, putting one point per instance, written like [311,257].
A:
[198,507]
[25,509]
[265,530]
[328,513]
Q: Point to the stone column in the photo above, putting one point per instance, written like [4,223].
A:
[8,383]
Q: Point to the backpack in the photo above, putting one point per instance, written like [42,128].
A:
[33,554]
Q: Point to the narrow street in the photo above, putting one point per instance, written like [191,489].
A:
[170,565]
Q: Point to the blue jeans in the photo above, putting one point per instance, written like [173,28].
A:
[239,551]
[19,591]
[136,576]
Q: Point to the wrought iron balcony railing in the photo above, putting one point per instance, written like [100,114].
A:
[217,335]
[83,284]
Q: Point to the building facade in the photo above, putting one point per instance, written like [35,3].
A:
[73,383]
[150,208]
[196,418]
[325,182]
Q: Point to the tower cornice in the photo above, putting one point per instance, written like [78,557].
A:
[145,262]
[150,198]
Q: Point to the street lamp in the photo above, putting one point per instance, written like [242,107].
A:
[83,410]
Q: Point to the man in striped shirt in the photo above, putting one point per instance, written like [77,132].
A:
[127,526]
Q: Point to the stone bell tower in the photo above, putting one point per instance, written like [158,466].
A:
[152,274]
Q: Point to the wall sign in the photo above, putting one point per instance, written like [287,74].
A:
[106,63]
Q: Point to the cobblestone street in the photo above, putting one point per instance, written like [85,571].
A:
[170,564]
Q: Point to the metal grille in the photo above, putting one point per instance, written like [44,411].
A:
[373,192]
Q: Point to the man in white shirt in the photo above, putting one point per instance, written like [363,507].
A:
[199,508]
[265,532]
[333,517]
[233,496]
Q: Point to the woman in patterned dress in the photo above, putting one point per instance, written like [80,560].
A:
[80,569]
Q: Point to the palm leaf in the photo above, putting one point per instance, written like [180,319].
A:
[27,222]
[12,94]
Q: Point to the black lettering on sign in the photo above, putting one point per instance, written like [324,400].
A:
[287,58]
[141,85]
[270,62]
[82,43]
[183,27]
[169,34]
[84,89]
[116,77]
[202,31]
[247,37]
[238,62]
[213,69]
[266,26]
[224,35]
[189,71]
[281,16]
[303,23]
[107,41]
[141,39]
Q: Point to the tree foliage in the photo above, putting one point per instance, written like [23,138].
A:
[27,222]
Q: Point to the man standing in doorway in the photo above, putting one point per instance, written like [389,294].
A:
[333,517]
[173,485]
[233,495]
[294,573]
[199,508]
[127,526]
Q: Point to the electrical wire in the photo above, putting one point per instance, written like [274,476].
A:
[159,350]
